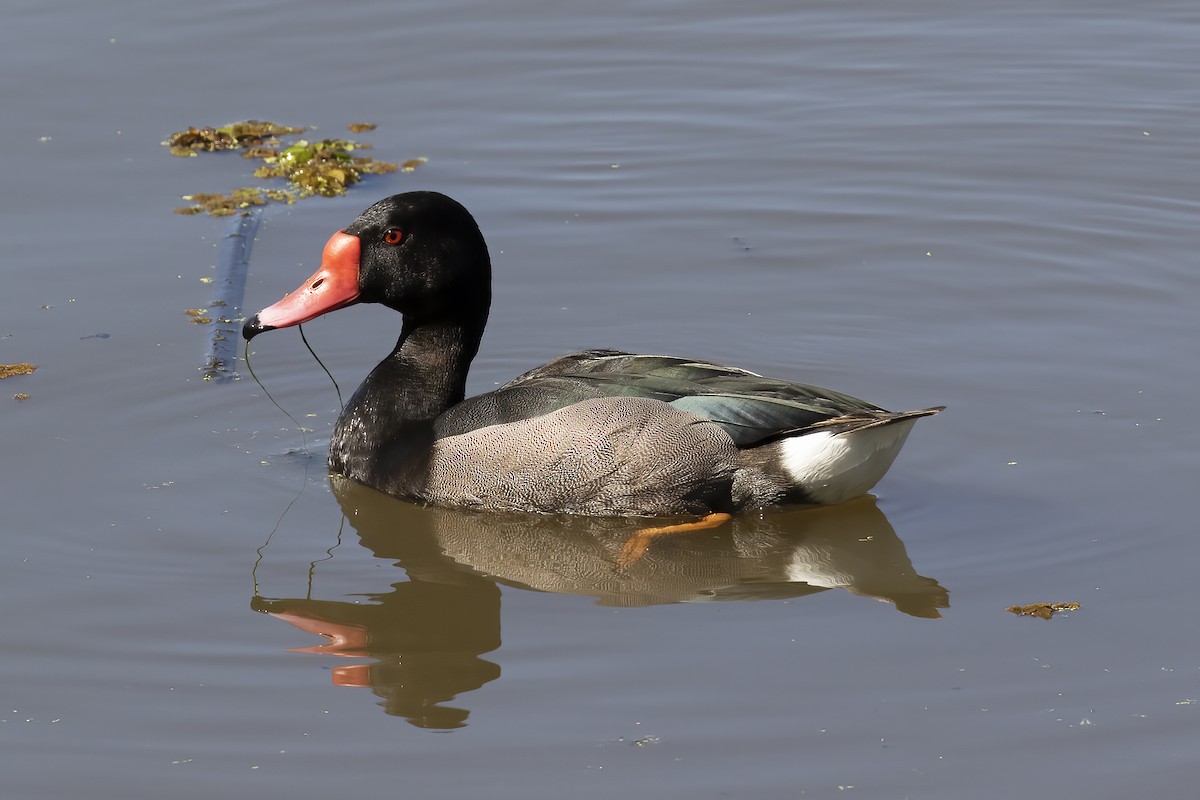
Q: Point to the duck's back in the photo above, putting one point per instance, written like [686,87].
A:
[752,409]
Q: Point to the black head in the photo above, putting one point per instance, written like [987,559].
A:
[420,253]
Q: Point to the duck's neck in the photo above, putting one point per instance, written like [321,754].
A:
[387,426]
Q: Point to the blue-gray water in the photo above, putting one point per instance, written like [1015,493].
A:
[990,206]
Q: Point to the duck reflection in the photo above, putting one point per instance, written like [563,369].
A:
[426,637]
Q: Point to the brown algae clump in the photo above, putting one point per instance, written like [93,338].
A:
[239,135]
[223,205]
[11,370]
[1042,610]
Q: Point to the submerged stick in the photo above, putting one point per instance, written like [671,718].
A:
[233,264]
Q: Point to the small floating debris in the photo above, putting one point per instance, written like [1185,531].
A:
[360,127]
[261,152]
[11,370]
[198,316]
[1043,610]
[21,397]
[325,168]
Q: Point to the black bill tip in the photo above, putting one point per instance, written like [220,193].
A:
[253,328]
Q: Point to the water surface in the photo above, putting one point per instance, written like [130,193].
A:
[986,206]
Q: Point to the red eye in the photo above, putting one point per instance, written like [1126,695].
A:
[393,236]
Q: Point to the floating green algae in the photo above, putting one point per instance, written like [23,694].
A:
[323,168]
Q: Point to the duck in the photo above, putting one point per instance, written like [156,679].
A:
[599,432]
